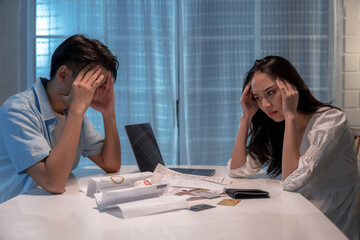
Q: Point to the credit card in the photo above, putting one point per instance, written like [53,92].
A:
[229,202]
[200,207]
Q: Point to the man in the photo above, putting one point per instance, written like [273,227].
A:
[44,130]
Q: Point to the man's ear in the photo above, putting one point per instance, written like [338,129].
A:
[63,73]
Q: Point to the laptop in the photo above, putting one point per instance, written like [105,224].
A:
[147,152]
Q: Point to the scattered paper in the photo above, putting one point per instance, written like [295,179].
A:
[194,183]
[198,187]
[140,194]
[207,187]
[149,206]
[205,193]
[162,172]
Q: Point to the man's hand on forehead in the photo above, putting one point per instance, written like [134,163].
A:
[103,72]
[107,76]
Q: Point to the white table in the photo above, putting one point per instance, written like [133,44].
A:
[72,215]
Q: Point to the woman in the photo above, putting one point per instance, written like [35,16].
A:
[306,141]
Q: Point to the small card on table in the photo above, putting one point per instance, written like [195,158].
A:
[200,207]
[229,202]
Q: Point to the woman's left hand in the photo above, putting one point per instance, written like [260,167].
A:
[290,97]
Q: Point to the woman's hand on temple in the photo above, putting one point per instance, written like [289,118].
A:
[248,104]
[290,98]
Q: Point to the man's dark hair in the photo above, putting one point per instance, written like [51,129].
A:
[78,51]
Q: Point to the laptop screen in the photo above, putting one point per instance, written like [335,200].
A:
[144,145]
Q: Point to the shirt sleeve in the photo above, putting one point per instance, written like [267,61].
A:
[251,167]
[324,139]
[24,138]
[92,139]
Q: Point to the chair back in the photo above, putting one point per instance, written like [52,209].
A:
[356,132]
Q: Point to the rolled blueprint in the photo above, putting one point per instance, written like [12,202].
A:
[113,197]
[101,184]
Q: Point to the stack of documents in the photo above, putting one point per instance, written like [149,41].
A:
[122,196]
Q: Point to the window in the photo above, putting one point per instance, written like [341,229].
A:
[182,63]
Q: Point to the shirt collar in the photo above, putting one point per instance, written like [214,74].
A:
[43,100]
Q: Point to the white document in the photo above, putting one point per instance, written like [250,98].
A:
[113,197]
[162,172]
[194,183]
[101,184]
[149,206]
[205,189]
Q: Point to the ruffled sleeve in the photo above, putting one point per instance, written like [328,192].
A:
[325,136]
[250,168]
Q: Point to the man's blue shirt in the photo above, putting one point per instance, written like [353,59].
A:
[27,122]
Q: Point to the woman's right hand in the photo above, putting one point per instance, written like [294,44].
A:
[248,104]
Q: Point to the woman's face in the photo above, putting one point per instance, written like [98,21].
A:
[267,95]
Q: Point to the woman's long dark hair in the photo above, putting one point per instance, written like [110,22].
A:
[266,135]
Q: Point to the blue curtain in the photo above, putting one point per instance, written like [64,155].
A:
[221,41]
[182,62]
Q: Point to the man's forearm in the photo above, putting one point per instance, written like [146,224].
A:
[111,153]
[53,172]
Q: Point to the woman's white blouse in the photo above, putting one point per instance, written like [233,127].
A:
[327,173]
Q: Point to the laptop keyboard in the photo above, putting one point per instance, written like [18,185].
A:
[182,170]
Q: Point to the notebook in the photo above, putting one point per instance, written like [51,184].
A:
[147,152]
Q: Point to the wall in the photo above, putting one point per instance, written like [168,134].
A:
[9,50]
[351,61]
[350,53]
